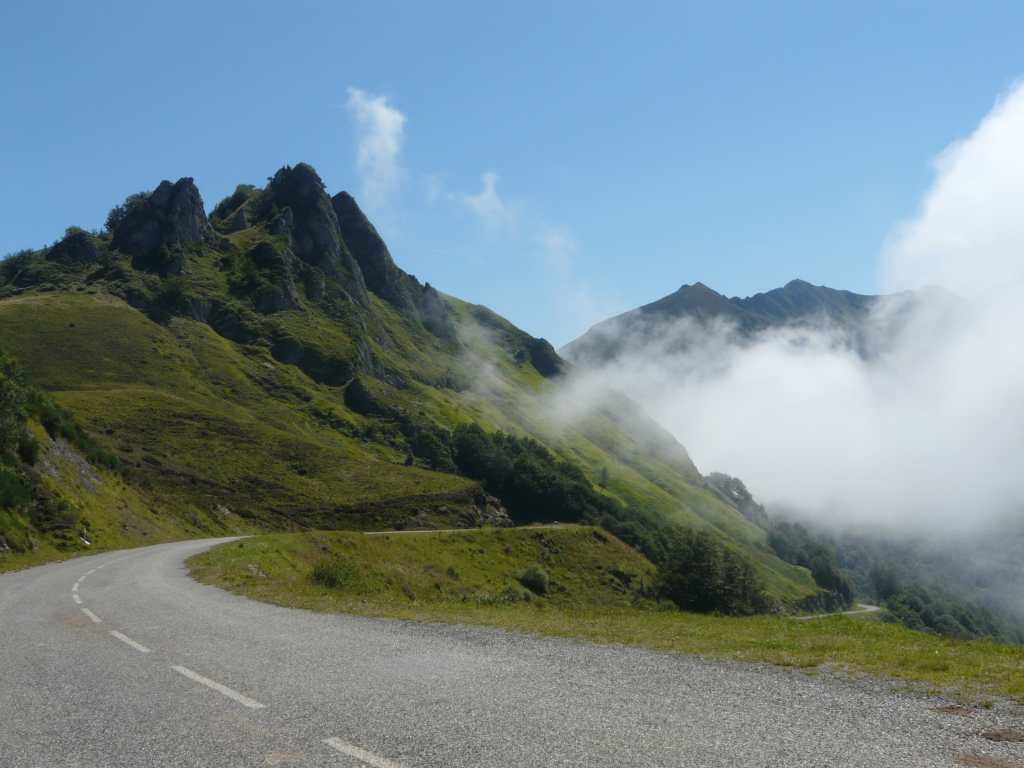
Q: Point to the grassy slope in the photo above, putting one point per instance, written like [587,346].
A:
[407,576]
[185,407]
[206,423]
[115,514]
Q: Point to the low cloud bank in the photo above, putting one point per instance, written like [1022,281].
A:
[923,433]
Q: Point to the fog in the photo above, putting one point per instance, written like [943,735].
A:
[924,432]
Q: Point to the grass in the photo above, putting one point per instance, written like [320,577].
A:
[203,423]
[473,577]
[114,513]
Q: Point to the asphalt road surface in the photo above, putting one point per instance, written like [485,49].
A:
[120,659]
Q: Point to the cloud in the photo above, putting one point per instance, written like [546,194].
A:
[968,233]
[381,129]
[925,435]
[496,214]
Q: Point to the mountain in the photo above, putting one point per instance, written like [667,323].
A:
[796,303]
[269,366]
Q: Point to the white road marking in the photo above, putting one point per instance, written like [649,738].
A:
[360,754]
[128,641]
[91,615]
[76,598]
[242,699]
[74,589]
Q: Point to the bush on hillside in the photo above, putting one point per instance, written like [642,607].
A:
[121,212]
[28,449]
[536,580]
[332,573]
[432,446]
[14,491]
[13,397]
[702,575]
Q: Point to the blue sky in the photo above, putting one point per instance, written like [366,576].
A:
[558,162]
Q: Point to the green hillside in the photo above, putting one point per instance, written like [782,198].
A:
[577,567]
[269,367]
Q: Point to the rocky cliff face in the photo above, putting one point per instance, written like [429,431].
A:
[168,219]
[313,227]
[383,276]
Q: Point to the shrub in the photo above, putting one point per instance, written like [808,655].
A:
[121,212]
[28,449]
[14,491]
[12,405]
[332,573]
[52,513]
[535,579]
[700,574]
[432,446]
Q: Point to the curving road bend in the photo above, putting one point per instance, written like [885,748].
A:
[120,659]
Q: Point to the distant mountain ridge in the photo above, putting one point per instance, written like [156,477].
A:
[798,302]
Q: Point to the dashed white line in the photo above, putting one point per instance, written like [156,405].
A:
[360,754]
[76,598]
[242,699]
[128,641]
[95,619]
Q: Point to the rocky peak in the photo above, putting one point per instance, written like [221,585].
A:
[315,236]
[382,275]
[171,216]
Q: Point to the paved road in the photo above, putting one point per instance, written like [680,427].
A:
[861,608]
[121,660]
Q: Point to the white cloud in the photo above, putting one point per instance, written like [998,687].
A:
[381,129]
[926,436]
[496,214]
[968,234]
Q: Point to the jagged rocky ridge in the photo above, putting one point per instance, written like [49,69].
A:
[698,307]
[284,247]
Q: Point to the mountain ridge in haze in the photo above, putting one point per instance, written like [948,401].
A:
[796,303]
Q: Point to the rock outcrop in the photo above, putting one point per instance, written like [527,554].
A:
[382,275]
[487,512]
[170,218]
[385,278]
[276,291]
[309,219]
